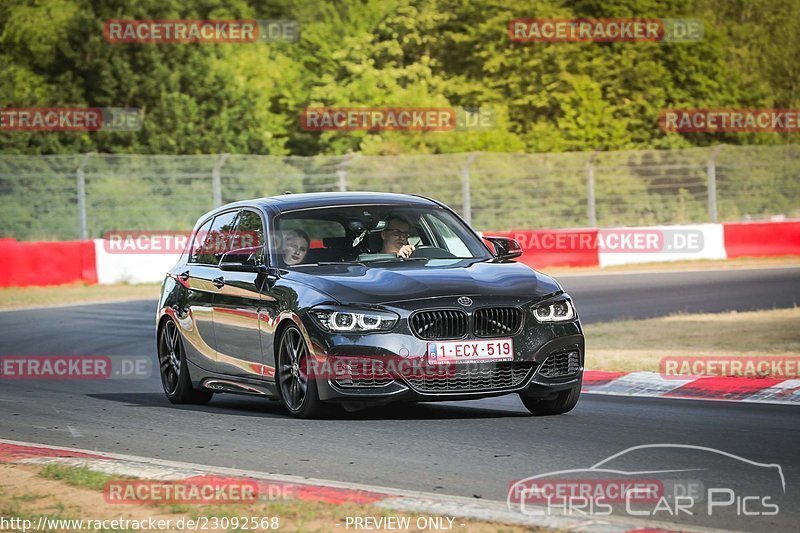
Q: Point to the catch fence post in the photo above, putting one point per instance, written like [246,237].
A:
[711,171]
[216,180]
[80,176]
[591,202]
[466,193]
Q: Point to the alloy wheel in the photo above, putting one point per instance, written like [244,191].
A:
[293,369]
[170,354]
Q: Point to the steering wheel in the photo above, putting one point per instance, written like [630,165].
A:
[431,252]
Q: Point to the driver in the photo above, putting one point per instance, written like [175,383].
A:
[395,237]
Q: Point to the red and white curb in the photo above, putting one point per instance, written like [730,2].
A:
[309,489]
[654,385]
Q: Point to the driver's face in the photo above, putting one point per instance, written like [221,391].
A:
[395,236]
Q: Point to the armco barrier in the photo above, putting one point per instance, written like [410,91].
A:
[28,264]
[544,248]
[758,239]
[707,243]
[54,263]
[131,267]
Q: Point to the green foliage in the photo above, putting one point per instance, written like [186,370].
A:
[555,104]
[247,98]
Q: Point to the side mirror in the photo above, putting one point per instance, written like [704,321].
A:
[505,249]
[242,260]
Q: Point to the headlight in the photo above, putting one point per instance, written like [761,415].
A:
[343,321]
[560,311]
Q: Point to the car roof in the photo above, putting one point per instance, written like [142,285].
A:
[291,202]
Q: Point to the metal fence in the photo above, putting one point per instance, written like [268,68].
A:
[84,195]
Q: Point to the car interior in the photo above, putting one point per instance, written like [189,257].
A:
[359,239]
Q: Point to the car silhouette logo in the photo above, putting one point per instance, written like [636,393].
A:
[465,301]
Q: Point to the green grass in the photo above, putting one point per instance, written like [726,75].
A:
[11,297]
[294,515]
[639,345]
[76,477]
[27,497]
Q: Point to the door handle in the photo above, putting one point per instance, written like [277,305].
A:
[184,276]
[219,282]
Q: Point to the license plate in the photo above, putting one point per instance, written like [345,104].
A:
[478,351]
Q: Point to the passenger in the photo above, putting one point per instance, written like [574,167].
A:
[294,246]
[395,237]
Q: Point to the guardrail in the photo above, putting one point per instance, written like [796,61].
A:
[94,261]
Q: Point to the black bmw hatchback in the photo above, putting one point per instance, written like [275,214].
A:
[359,299]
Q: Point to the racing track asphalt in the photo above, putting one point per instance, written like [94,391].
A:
[473,449]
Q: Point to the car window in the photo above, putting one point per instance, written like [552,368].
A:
[356,233]
[446,237]
[198,242]
[249,231]
[217,240]
[317,230]
[248,235]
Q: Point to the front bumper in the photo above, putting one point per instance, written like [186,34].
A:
[409,378]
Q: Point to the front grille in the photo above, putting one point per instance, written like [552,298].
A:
[561,364]
[496,321]
[471,377]
[442,324]
[365,374]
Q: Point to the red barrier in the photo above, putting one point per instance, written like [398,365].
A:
[544,248]
[758,239]
[28,264]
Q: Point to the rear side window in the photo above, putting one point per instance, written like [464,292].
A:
[211,244]
[199,240]
[248,233]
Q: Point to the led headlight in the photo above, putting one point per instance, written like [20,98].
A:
[559,311]
[343,321]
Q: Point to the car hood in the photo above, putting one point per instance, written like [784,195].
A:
[359,284]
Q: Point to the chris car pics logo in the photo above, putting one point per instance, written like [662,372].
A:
[657,481]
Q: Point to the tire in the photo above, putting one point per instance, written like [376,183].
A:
[174,368]
[298,393]
[564,402]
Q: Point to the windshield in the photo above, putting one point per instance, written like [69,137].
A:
[373,234]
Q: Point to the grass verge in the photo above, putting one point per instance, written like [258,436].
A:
[634,345]
[18,297]
[702,264]
[66,492]
[76,477]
